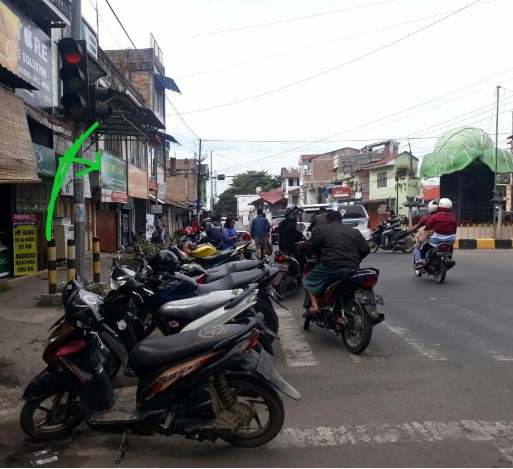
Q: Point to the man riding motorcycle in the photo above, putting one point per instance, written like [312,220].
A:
[339,248]
[394,225]
[289,235]
[443,224]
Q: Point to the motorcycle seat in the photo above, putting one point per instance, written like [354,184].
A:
[234,280]
[160,351]
[219,272]
[196,306]
[215,259]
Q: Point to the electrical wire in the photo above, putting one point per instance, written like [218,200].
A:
[320,44]
[289,20]
[324,72]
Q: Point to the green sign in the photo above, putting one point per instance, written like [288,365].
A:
[45,158]
[113,179]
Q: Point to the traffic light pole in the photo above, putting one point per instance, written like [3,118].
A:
[78,182]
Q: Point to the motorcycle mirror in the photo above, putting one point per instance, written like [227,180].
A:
[300,227]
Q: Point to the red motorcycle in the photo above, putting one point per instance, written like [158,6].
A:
[348,307]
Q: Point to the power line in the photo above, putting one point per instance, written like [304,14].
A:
[289,20]
[336,67]
[258,59]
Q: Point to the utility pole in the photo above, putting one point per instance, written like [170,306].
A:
[198,182]
[78,182]
[495,174]
[211,184]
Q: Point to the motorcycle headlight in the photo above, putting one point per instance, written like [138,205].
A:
[115,284]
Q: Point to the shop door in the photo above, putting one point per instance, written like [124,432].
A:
[107,230]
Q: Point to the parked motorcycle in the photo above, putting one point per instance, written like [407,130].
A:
[183,386]
[400,241]
[349,308]
[438,262]
[290,277]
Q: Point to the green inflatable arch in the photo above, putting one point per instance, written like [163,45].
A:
[457,148]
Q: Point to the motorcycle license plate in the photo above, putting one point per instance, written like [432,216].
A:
[366,297]
[265,364]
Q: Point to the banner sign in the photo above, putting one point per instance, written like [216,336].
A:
[28,54]
[24,243]
[341,193]
[113,179]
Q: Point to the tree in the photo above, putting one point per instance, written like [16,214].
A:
[245,183]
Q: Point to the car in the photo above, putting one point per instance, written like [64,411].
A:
[274,230]
[352,215]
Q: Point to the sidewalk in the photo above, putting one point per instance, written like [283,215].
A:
[24,325]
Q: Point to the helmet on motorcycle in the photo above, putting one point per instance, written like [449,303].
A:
[291,211]
[444,205]
[432,206]
[164,261]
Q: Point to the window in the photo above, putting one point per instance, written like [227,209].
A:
[137,154]
[114,144]
[382,179]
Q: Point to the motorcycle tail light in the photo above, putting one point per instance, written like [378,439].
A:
[444,247]
[246,237]
[280,258]
[201,280]
[71,347]
[369,281]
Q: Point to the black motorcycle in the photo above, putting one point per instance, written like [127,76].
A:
[400,241]
[289,279]
[183,385]
[438,262]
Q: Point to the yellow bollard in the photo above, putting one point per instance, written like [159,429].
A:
[96,260]
[52,267]
[71,260]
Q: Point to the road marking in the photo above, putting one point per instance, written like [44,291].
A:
[295,348]
[499,433]
[428,353]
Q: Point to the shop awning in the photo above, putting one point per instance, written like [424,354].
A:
[17,160]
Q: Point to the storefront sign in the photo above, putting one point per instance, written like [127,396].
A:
[156,209]
[137,183]
[113,179]
[28,54]
[341,193]
[45,158]
[24,243]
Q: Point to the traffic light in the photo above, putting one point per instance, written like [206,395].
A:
[98,96]
[75,97]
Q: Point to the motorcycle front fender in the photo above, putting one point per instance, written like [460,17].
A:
[44,384]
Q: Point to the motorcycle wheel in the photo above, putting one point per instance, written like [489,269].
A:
[282,288]
[306,324]
[258,408]
[373,245]
[51,416]
[418,272]
[440,271]
[357,334]
[113,363]
[408,246]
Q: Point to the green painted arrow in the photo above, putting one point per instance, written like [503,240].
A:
[65,163]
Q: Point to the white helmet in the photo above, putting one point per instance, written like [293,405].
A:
[432,206]
[444,204]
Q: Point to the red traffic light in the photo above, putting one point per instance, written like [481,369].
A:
[71,51]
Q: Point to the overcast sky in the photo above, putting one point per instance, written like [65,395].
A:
[264,81]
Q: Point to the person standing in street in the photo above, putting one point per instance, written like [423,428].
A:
[260,229]
[318,219]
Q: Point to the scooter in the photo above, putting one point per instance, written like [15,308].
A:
[183,386]
[400,241]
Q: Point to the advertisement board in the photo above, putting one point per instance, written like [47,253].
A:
[113,179]
[24,243]
[28,54]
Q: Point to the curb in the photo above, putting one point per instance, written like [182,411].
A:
[485,243]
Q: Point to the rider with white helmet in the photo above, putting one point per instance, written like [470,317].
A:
[443,224]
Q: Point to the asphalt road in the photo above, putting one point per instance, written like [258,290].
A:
[434,388]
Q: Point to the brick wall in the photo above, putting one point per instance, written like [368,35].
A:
[182,185]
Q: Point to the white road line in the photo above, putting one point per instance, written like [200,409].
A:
[428,353]
[498,433]
[295,348]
